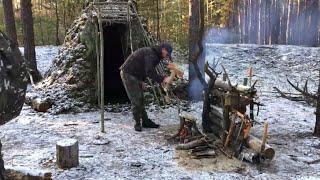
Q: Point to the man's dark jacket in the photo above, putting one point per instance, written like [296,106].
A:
[141,63]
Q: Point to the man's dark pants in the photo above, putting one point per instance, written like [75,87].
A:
[134,91]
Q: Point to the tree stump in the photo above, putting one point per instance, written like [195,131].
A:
[67,152]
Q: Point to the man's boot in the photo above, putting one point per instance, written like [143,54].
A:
[147,123]
[137,127]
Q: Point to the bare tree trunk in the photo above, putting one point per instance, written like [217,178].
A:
[57,23]
[256,21]
[41,25]
[246,21]
[9,20]
[28,38]
[158,21]
[313,23]
[262,22]
[317,126]
[64,18]
[283,22]
[196,56]
[268,22]
[275,22]
[289,22]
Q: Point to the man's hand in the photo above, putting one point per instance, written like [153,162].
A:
[171,65]
[144,86]
[166,80]
[174,67]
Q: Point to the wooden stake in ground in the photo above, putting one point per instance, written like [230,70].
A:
[317,125]
[67,153]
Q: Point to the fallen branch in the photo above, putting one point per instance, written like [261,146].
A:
[286,96]
[304,93]
[192,144]
[313,162]
[19,172]
[204,154]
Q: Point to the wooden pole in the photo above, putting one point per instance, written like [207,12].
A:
[264,136]
[101,69]
[98,63]
[129,22]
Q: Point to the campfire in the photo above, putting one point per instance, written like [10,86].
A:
[226,123]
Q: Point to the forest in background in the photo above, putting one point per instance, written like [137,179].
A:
[46,14]
[227,21]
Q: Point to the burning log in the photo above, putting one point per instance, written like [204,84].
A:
[224,114]
[188,128]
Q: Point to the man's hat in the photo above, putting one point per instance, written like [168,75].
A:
[168,47]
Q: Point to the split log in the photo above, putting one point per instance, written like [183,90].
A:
[26,173]
[171,78]
[175,69]
[67,152]
[255,144]
[231,129]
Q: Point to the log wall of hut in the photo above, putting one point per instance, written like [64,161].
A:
[115,53]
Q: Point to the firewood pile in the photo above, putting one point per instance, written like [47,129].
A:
[226,123]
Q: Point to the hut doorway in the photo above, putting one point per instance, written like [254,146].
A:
[114,57]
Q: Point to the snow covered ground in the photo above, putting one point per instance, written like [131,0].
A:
[121,153]
[44,56]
